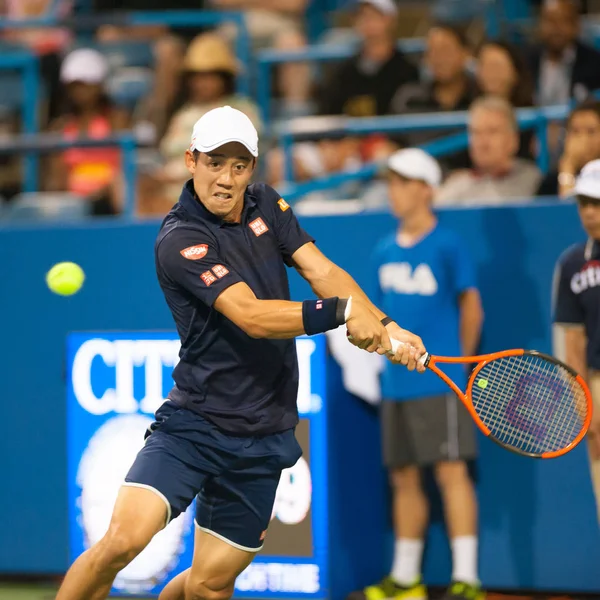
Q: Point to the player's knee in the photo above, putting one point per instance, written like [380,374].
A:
[407,478]
[119,547]
[451,473]
[207,589]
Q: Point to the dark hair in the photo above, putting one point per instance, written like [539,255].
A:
[458,33]
[183,93]
[522,93]
[589,105]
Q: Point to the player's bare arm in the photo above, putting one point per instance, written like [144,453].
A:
[471,320]
[326,279]
[281,319]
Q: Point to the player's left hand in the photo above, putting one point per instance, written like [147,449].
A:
[411,350]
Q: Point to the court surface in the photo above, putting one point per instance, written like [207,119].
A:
[33,592]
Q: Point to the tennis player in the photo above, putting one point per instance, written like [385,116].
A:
[226,431]
[577,304]
[425,275]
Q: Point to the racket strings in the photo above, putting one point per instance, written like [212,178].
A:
[529,403]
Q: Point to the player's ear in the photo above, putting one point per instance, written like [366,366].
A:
[190,161]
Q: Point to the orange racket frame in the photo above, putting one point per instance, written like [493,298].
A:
[431,361]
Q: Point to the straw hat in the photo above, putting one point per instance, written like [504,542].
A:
[209,52]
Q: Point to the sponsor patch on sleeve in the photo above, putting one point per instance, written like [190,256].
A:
[283,205]
[220,271]
[208,278]
[194,252]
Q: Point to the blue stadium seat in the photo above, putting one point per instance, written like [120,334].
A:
[46,206]
[128,85]
[11,91]
[121,54]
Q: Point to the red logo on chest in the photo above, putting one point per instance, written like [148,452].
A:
[258,226]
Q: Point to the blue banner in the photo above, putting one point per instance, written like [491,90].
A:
[116,381]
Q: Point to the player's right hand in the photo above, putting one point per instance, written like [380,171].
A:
[411,350]
[366,331]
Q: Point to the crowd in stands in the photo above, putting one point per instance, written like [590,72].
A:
[191,70]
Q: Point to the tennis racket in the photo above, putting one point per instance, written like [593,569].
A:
[525,401]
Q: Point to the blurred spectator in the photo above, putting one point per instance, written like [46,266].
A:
[364,85]
[209,82]
[91,173]
[450,87]
[421,269]
[497,174]
[276,24]
[577,305]
[502,71]
[582,145]
[266,20]
[563,66]
[169,45]
[293,88]
[46,42]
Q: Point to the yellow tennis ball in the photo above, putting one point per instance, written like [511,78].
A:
[65,278]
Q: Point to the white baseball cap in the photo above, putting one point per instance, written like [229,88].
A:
[588,182]
[414,163]
[387,7]
[221,126]
[86,65]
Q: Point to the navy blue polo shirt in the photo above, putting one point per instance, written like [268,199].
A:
[244,386]
[577,294]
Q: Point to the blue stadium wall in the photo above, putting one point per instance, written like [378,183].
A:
[538,524]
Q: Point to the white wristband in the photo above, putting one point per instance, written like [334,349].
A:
[348,309]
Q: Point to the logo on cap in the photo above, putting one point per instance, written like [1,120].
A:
[194,252]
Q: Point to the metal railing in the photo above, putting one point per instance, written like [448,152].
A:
[331,127]
[27,64]
[51,142]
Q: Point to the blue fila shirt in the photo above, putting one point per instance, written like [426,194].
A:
[244,386]
[577,294]
[419,287]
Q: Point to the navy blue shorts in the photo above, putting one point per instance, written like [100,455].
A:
[234,478]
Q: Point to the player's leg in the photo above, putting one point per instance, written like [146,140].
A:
[216,565]
[458,495]
[235,509]
[165,477]
[138,515]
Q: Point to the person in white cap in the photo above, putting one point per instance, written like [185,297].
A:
[226,431]
[426,276]
[577,304]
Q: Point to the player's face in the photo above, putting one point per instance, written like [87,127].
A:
[445,56]
[221,178]
[407,196]
[589,212]
[492,140]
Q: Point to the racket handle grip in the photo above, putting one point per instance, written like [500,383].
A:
[397,344]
